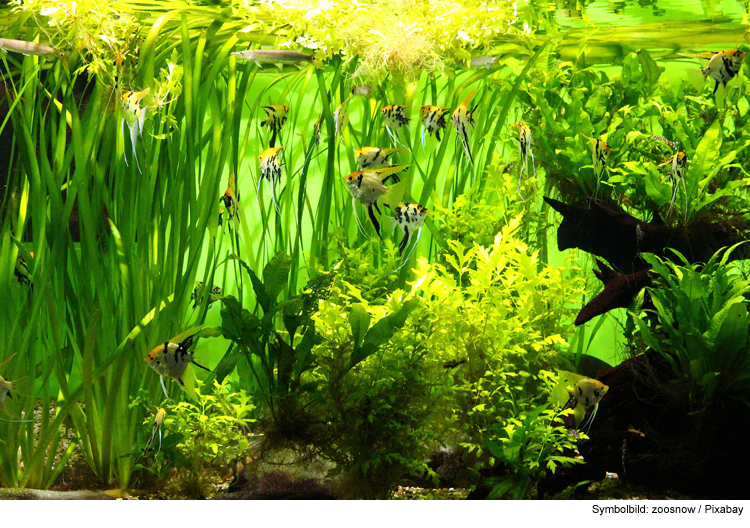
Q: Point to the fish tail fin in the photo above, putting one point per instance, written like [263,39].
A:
[270,188]
[141,120]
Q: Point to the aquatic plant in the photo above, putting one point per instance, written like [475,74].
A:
[701,325]
[199,441]
[403,39]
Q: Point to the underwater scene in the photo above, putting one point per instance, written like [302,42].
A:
[406,249]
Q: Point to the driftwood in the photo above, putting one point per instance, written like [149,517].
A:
[619,291]
[647,431]
[33,494]
[620,238]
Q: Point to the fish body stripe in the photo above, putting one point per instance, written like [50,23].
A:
[434,119]
[270,167]
[395,116]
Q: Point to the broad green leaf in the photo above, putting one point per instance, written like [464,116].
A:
[705,157]
[651,70]
[276,274]
[359,320]
[733,336]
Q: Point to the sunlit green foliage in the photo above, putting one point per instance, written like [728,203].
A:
[454,342]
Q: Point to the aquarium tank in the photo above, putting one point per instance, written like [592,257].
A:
[372,250]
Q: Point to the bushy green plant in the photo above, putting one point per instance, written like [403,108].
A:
[200,441]
[375,392]
[701,328]
[528,445]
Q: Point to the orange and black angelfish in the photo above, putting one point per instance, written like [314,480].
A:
[723,66]
[171,359]
[230,199]
[368,186]
[375,157]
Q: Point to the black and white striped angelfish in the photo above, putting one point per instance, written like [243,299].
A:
[374,157]
[171,359]
[275,119]
[600,152]
[134,115]
[463,121]
[723,66]
[434,119]
[198,294]
[524,149]
[676,173]
[270,171]
[394,117]
[410,219]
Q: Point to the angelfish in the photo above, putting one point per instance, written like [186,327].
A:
[161,413]
[394,117]
[374,157]
[723,66]
[340,119]
[410,219]
[524,150]
[586,394]
[600,152]
[197,294]
[275,119]
[171,359]
[230,199]
[463,120]
[134,114]
[5,390]
[270,170]
[679,163]
[433,120]
[368,186]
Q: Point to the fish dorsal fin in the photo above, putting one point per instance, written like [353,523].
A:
[468,98]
